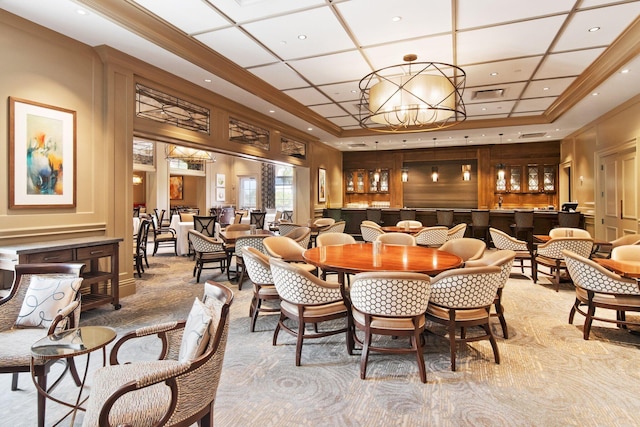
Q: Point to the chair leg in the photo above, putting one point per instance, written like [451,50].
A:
[365,354]
[277,330]
[417,344]
[452,343]
[207,419]
[74,371]
[299,341]
[42,401]
[588,320]
[254,314]
[572,313]
[14,381]
[494,344]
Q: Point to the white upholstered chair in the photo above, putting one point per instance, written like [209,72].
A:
[370,233]
[259,271]
[568,232]
[502,240]
[412,223]
[457,231]
[466,248]
[432,237]
[550,255]
[397,239]
[302,235]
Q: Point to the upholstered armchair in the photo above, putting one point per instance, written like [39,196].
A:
[245,242]
[207,251]
[597,287]
[397,239]
[306,299]
[411,223]
[550,255]
[288,250]
[326,239]
[457,231]
[286,228]
[502,258]
[369,232]
[466,248]
[302,235]
[392,304]
[502,240]
[259,271]
[178,389]
[568,232]
[30,312]
[432,237]
[461,298]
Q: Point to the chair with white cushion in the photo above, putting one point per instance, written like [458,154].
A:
[177,389]
[568,232]
[370,233]
[432,237]
[44,299]
[597,287]
[392,304]
[457,232]
[626,253]
[550,255]
[207,251]
[288,250]
[301,235]
[466,248]
[259,271]
[326,239]
[397,239]
[306,299]
[502,240]
[411,223]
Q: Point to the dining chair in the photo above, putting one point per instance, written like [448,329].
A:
[207,251]
[370,223]
[302,235]
[597,287]
[466,248]
[397,239]
[323,222]
[306,299]
[140,248]
[186,216]
[205,224]
[370,233]
[163,237]
[407,214]
[43,299]
[480,224]
[568,232]
[273,225]
[391,304]
[626,253]
[136,211]
[432,237]
[460,299]
[604,251]
[326,239]
[259,272]
[177,389]
[336,227]
[569,219]
[237,219]
[444,217]
[523,226]
[257,218]
[288,250]
[243,242]
[550,255]
[286,228]
[287,215]
[502,240]
[374,215]
[457,232]
[504,259]
[411,223]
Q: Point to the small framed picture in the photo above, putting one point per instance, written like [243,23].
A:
[175,187]
[220,180]
[220,194]
[322,185]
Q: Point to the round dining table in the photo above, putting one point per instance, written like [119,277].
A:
[396,229]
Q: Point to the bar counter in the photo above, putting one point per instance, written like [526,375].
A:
[543,220]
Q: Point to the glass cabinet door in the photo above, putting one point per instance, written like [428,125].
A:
[533,178]
[384,181]
[515,179]
[350,185]
[360,181]
[549,179]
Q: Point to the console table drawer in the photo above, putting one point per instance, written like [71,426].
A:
[65,255]
[94,251]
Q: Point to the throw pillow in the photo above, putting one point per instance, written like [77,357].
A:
[46,296]
[196,332]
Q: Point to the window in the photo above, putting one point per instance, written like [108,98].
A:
[248,191]
[284,188]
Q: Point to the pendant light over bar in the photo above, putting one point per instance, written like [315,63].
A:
[412,97]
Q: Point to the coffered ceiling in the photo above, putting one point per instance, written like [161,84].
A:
[533,68]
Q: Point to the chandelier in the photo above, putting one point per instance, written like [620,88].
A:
[188,154]
[412,97]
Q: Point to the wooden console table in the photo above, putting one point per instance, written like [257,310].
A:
[98,286]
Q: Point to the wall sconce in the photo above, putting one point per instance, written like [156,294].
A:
[137,179]
[405,174]
[376,176]
[434,174]
[466,172]
[500,169]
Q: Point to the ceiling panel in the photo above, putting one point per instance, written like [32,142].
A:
[279,76]
[515,70]
[550,87]
[567,64]
[428,49]
[191,17]
[480,13]
[251,10]
[237,46]
[308,96]
[341,67]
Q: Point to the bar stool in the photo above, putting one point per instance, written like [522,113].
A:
[480,224]
[407,214]
[569,219]
[444,217]
[374,215]
[523,225]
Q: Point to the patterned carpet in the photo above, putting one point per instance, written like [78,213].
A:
[548,376]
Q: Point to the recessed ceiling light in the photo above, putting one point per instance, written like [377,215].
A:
[484,109]
[302,37]
[595,94]
[493,74]
[593,29]
[283,42]
[207,80]
[396,18]
[625,71]
[272,111]
[354,91]
[545,88]
[82,12]
[309,129]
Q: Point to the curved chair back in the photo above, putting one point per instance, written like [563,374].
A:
[257,218]
[257,265]
[627,239]
[466,248]
[337,227]
[326,239]
[323,222]
[186,216]
[502,240]
[205,244]
[298,286]
[444,217]
[568,232]
[397,239]
[501,258]
[283,247]
[411,222]
[457,232]
[286,228]
[391,293]
[302,235]
[205,224]
[554,247]
[238,227]
[370,223]
[466,287]
[369,232]
[591,276]
[432,236]
[249,241]
[626,253]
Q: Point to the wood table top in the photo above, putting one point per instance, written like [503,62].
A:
[396,229]
[360,257]
[630,269]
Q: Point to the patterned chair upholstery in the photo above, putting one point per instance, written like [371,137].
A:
[302,235]
[337,227]
[370,223]
[370,233]
[466,248]
[207,250]
[411,222]
[397,239]
[242,242]
[568,232]
[597,287]
[306,299]
[462,298]
[323,222]
[432,237]
[504,259]
[259,271]
[166,391]
[286,228]
[502,240]
[457,232]
[16,341]
[140,247]
[550,255]
[393,304]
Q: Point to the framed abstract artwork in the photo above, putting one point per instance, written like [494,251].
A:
[42,155]
[175,187]
[322,185]
[220,194]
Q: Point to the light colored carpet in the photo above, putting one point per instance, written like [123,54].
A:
[549,376]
